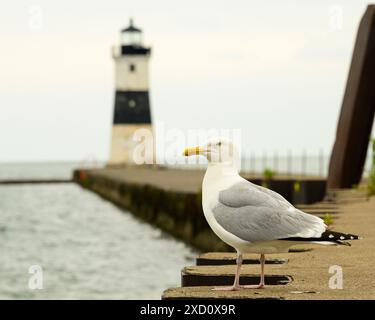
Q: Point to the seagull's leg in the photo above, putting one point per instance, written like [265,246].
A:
[262,262]
[261,284]
[236,284]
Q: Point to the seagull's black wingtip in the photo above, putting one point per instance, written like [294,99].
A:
[329,236]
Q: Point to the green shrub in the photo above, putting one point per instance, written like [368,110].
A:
[268,174]
[328,220]
[297,186]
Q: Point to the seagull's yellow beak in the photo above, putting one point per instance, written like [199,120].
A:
[192,151]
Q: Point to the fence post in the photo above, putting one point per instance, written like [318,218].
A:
[289,163]
[264,164]
[252,163]
[303,163]
[275,162]
[321,162]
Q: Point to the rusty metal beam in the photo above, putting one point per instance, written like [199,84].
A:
[357,111]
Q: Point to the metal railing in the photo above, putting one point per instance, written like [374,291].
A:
[305,164]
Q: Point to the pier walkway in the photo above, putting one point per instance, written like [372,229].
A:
[302,274]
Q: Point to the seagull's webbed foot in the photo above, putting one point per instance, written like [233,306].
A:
[229,288]
[239,287]
[257,286]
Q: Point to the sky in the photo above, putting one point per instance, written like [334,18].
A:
[276,70]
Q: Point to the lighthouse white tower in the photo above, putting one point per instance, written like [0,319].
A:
[132,106]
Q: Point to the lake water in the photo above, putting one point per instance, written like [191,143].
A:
[86,247]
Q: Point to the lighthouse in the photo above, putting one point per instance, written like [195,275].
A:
[131,104]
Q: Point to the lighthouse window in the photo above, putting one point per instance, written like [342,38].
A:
[132,67]
[131,103]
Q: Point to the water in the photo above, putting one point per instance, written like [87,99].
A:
[87,247]
[40,170]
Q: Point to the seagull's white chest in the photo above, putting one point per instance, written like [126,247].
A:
[215,180]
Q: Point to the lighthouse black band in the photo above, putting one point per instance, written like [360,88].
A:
[132,107]
[134,50]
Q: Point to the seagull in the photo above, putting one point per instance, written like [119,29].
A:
[251,218]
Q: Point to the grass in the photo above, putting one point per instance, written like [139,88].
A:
[328,219]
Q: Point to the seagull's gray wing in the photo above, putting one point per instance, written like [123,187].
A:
[247,193]
[253,215]
[273,194]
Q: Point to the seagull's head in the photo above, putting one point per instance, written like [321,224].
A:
[218,150]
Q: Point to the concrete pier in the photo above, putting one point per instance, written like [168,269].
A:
[171,199]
